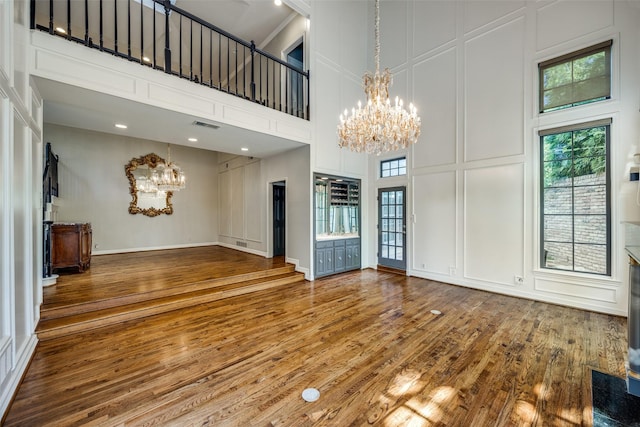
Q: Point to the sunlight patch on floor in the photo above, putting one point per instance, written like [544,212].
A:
[405,417]
[417,412]
[406,382]
[526,411]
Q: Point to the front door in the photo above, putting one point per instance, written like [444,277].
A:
[392,228]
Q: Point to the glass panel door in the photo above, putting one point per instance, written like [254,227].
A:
[392,227]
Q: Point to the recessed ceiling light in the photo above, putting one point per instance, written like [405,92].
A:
[277,2]
[192,139]
[61,30]
[121,126]
[244,149]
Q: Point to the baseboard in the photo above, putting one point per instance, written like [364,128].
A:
[391,270]
[241,249]
[16,375]
[154,248]
[296,262]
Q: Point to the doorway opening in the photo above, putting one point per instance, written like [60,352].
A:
[294,86]
[279,217]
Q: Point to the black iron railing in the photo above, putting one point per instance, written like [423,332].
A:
[157,34]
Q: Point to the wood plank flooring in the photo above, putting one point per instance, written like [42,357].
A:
[366,340]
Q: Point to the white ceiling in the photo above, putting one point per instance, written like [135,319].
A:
[80,108]
[247,19]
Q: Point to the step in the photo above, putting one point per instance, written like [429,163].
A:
[90,320]
[53,312]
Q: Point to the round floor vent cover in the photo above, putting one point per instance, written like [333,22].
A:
[310,394]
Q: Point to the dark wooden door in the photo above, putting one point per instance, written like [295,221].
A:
[279,192]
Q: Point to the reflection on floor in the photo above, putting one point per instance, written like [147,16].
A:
[612,405]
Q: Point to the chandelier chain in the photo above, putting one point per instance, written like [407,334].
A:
[377,37]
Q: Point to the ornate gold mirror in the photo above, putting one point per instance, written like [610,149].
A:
[145,199]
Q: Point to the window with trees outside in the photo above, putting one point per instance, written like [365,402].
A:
[575,201]
[575,79]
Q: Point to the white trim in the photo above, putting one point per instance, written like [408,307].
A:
[156,248]
[269,216]
[296,263]
[19,367]
[241,249]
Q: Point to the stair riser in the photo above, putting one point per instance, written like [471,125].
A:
[163,306]
[55,313]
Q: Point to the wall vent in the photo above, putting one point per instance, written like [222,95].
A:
[206,125]
[239,243]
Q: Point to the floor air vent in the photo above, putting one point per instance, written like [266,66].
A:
[239,243]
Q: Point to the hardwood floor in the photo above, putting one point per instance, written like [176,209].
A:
[366,340]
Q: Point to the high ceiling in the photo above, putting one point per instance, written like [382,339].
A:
[248,19]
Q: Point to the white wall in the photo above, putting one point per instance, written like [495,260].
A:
[20,201]
[241,203]
[95,189]
[341,42]
[471,69]
[292,167]
[293,32]
[245,204]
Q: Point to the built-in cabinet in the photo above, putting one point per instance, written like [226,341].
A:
[336,224]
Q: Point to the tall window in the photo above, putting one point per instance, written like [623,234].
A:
[575,200]
[577,78]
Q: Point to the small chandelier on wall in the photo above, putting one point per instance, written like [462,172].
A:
[379,126]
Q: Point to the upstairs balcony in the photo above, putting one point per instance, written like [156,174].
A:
[159,35]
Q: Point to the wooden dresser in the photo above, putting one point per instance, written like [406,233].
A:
[71,245]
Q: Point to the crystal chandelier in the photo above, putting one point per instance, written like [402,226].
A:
[379,126]
[168,176]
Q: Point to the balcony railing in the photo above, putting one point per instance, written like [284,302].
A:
[157,34]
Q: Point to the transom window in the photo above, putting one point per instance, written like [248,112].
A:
[577,78]
[393,167]
[575,200]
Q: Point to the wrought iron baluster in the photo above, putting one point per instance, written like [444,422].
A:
[141,32]
[244,72]
[86,22]
[167,42]
[101,27]
[50,16]
[129,29]
[180,50]
[155,57]
[115,24]
[32,16]
[69,19]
